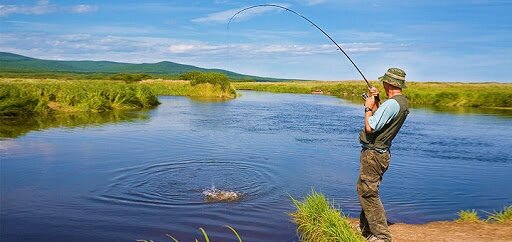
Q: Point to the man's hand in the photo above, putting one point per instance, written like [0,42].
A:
[370,102]
[374,91]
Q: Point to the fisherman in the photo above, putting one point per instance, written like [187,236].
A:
[381,125]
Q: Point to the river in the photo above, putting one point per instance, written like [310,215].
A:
[141,175]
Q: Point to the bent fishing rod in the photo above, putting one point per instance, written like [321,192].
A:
[311,22]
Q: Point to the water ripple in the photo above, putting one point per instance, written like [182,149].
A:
[180,183]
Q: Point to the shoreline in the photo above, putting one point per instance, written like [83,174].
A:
[448,231]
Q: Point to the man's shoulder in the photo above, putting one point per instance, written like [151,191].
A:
[390,102]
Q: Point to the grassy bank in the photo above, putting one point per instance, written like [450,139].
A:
[20,97]
[489,95]
[195,84]
[26,96]
[317,220]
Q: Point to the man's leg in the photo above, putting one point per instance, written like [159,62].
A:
[373,166]
[364,226]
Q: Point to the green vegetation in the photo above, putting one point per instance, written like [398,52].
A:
[205,85]
[468,216]
[21,97]
[205,235]
[317,220]
[501,216]
[488,95]
[130,78]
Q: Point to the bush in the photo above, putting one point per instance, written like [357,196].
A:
[214,78]
[188,76]
[129,78]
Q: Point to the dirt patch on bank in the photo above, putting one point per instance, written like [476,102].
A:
[450,231]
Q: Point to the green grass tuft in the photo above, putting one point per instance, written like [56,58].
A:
[468,216]
[317,220]
[501,216]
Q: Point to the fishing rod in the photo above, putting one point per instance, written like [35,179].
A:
[311,22]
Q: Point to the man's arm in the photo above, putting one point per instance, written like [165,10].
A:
[369,108]
[376,119]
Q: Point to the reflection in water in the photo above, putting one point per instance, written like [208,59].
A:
[13,127]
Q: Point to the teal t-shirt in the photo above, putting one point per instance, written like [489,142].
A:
[384,114]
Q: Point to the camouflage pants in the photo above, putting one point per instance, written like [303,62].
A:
[373,217]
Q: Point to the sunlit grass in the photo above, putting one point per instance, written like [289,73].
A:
[468,216]
[501,216]
[184,88]
[495,95]
[317,221]
[203,232]
[19,97]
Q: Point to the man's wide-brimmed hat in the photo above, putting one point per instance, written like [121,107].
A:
[394,77]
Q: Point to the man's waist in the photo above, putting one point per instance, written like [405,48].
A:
[378,149]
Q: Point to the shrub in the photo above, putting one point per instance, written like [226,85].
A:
[214,78]
[188,76]
[130,78]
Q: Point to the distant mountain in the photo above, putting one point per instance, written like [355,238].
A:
[13,63]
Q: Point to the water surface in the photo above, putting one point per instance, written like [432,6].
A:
[142,178]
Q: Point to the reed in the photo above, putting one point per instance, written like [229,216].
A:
[317,220]
[21,97]
[205,235]
[185,88]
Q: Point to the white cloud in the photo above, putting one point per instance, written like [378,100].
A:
[225,16]
[314,2]
[44,7]
[83,8]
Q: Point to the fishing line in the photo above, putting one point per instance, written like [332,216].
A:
[307,19]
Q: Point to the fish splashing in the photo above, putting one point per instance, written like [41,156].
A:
[216,195]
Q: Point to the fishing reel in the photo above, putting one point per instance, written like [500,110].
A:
[364,96]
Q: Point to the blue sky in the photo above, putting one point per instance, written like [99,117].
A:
[436,40]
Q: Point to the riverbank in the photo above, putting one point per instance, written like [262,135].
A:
[318,219]
[482,95]
[28,96]
[450,231]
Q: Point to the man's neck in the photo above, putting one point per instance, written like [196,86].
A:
[392,93]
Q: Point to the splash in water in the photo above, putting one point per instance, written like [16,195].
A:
[216,195]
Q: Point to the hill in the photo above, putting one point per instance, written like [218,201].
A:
[13,63]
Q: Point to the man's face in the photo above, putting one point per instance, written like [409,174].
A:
[386,87]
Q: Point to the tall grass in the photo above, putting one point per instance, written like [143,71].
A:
[19,97]
[318,221]
[468,216]
[205,235]
[492,95]
[502,216]
[185,88]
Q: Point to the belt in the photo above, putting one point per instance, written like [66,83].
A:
[382,151]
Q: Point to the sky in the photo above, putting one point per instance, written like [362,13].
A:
[435,40]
